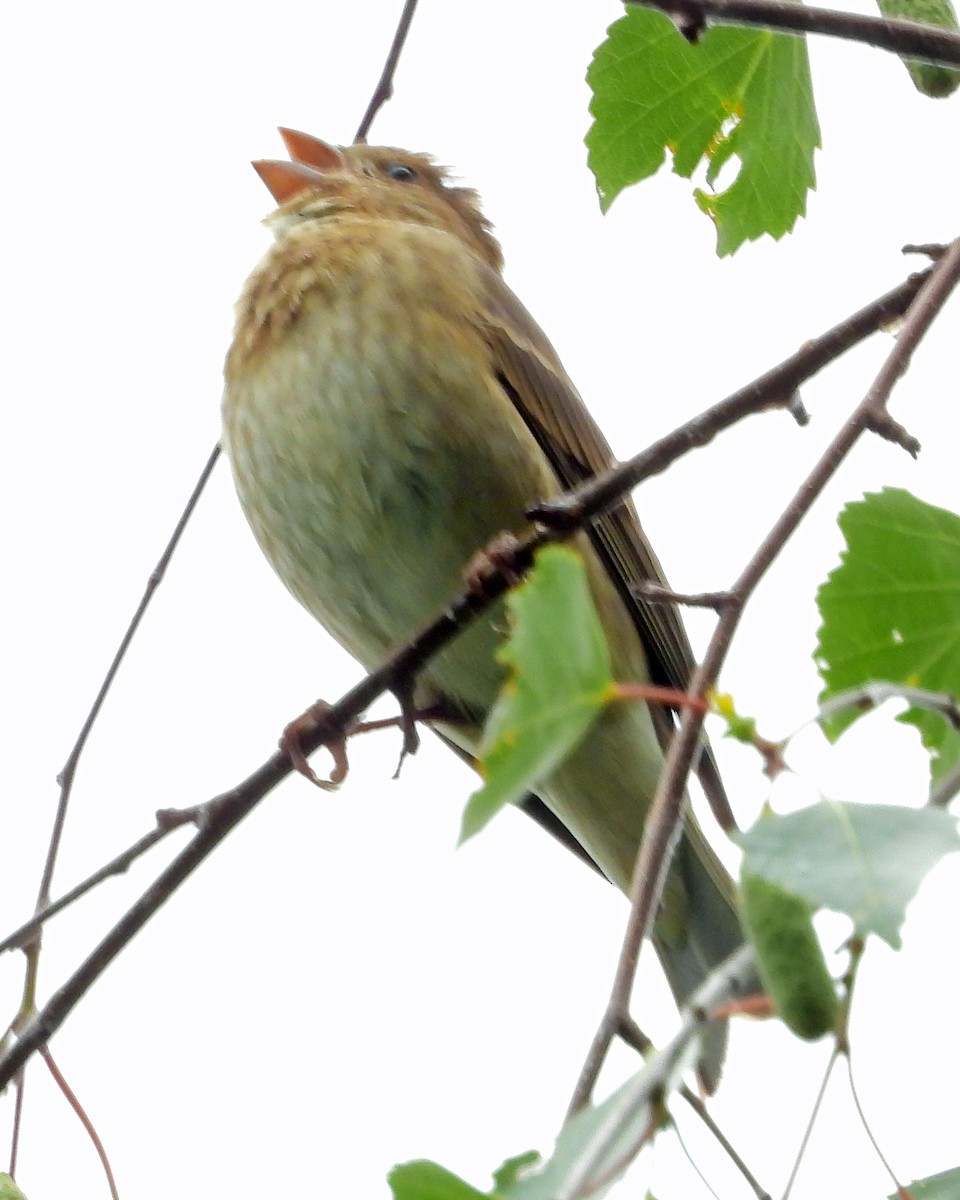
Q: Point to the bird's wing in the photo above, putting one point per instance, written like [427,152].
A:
[532,374]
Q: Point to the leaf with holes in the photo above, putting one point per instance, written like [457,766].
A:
[865,860]
[737,92]
[891,610]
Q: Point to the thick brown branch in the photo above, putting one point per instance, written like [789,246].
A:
[902,37]
[769,390]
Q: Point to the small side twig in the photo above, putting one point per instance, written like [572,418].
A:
[29,931]
[932,250]
[698,1106]
[84,1119]
[656,593]
[811,1122]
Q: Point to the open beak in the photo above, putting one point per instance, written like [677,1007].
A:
[312,159]
[285,180]
[305,148]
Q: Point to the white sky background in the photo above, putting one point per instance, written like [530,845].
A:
[337,990]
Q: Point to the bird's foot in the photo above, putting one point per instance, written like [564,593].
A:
[499,556]
[307,723]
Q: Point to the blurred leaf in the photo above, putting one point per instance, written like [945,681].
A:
[736,92]
[559,681]
[865,860]
[424,1180]
[514,1169]
[891,610]
[577,1140]
[943,1186]
[928,78]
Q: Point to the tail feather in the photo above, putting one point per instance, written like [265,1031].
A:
[709,932]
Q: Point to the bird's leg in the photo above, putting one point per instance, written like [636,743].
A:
[498,556]
[315,718]
[309,722]
[407,721]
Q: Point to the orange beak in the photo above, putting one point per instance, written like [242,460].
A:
[312,158]
[305,148]
[285,180]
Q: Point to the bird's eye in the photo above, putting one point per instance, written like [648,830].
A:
[400,171]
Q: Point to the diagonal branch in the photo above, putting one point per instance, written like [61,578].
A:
[774,389]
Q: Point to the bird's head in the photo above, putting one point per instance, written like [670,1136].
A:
[324,181]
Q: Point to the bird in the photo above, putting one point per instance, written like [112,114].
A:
[390,408]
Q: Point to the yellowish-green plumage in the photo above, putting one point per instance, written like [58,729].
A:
[389,408]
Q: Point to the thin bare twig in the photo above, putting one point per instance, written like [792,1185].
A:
[656,593]
[84,1119]
[925,42]
[776,386]
[381,94]
[65,779]
[16,1126]
[39,1028]
[808,1129]
[871,1137]
[666,813]
[703,1113]
[69,771]
[384,89]
[29,930]
[67,775]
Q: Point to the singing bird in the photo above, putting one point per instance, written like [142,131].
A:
[390,408]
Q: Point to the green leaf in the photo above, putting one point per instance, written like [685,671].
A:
[736,92]
[514,1169]
[865,860]
[559,681]
[929,78]
[891,610]
[424,1180]
[943,1186]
